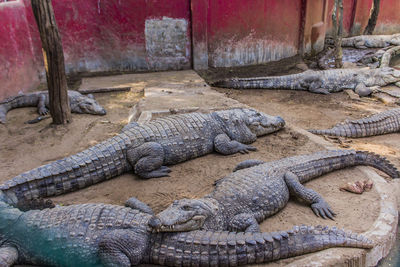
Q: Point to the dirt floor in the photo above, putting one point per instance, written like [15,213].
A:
[27,146]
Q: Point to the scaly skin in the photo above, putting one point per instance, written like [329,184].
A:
[323,82]
[377,124]
[257,190]
[109,235]
[79,103]
[145,149]
[371,41]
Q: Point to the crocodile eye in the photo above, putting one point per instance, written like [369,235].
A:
[187,208]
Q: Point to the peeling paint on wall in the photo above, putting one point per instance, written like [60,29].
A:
[250,51]
[167,44]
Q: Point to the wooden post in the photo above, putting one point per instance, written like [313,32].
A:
[337,21]
[54,61]
[373,18]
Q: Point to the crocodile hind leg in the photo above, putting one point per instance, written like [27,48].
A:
[41,106]
[244,222]
[8,256]
[318,204]
[147,160]
[248,164]
[224,145]
[315,87]
[123,247]
[136,204]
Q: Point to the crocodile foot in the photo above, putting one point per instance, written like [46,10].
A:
[161,172]
[322,209]
[244,149]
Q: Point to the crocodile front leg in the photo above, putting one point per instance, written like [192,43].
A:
[41,106]
[318,204]
[224,145]
[244,222]
[8,256]
[123,247]
[136,204]
[316,87]
[147,160]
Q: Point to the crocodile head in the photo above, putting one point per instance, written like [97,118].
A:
[86,104]
[258,123]
[390,75]
[184,215]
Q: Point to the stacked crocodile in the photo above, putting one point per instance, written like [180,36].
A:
[257,190]
[145,149]
[100,234]
[109,235]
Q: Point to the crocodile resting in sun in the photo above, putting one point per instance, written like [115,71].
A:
[382,123]
[109,235]
[145,149]
[79,103]
[257,190]
[362,81]
[371,41]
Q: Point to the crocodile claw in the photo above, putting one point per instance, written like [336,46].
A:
[245,149]
[43,111]
[322,209]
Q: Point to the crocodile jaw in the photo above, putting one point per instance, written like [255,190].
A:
[192,224]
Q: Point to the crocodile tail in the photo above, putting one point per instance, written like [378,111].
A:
[330,132]
[343,129]
[206,248]
[4,108]
[91,166]
[378,162]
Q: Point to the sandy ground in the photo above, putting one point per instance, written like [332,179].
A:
[27,146]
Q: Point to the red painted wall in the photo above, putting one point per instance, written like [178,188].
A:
[19,67]
[251,32]
[348,15]
[97,35]
[356,15]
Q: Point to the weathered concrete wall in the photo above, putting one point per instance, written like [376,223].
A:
[97,36]
[112,35]
[314,22]
[252,32]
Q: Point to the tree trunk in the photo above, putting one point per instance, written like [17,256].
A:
[54,61]
[337,22]
[373,18]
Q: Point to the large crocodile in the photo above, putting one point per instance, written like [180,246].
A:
[145,149]
[79,103]
[109,235]
[323,82]
[257,190]
[381,123]
[371,41]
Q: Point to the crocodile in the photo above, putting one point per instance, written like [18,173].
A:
[145,149]
[79,103]
[111,235]
[381,123]
[322,82]
[257,190]
[371,41]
